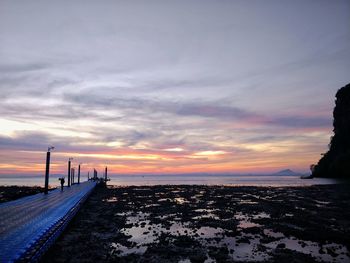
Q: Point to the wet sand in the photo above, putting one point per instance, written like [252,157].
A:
[9,193]
[209,224]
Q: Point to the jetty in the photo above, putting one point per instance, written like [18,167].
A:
[30,225]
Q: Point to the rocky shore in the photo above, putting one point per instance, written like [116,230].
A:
[209,224]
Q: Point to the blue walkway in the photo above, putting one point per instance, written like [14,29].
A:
[31,223]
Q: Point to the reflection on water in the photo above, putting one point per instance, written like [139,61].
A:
[242,247]
[27,180]
[143,232]
[245,220]
[124,180]
[111,200]
[242,180]
[227,223]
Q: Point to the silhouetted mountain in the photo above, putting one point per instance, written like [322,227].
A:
[336,162]
[286,172]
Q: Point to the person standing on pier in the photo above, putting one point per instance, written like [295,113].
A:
[62,182]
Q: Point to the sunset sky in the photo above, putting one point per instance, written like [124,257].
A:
[159,86]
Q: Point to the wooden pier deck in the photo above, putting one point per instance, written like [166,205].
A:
[28,226]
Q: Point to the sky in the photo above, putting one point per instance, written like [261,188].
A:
[159,86]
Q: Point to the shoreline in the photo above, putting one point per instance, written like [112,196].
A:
[198,223]
[244,180]
[13,192]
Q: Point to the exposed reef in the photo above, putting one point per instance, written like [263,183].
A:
[209,224]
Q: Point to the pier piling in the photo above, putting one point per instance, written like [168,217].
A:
[69,170]
[106,174]
[79,173]
[47,170]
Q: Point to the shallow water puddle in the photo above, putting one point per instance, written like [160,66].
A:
[151,205]
[261,215]
[245,220]
[271,233]
[240,250]
[247,202]
[242,247]
[245,232]
[111,200]
[339,253]
[206,213]
[180,200]
[124,251]
[320,204]
[247,224]
[144,233]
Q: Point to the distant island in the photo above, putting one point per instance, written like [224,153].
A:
[336,162]
[287,172]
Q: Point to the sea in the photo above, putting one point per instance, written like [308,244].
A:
[139,180]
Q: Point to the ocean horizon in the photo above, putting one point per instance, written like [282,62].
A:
[179,179]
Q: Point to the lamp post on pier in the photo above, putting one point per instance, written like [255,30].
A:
[69,164]
[79,173]
[106,174]
[47,171]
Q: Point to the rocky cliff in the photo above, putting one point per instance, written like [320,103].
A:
[336,162]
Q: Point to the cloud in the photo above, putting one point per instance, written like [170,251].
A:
[22,67]
[198,109]
[301,121]
[201,76]
[25,141]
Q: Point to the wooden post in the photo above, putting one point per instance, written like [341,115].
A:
[69,163]
[95,175]
[72,176]
[47,171]
[79,174]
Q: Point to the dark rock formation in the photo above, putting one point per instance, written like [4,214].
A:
[336,162]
